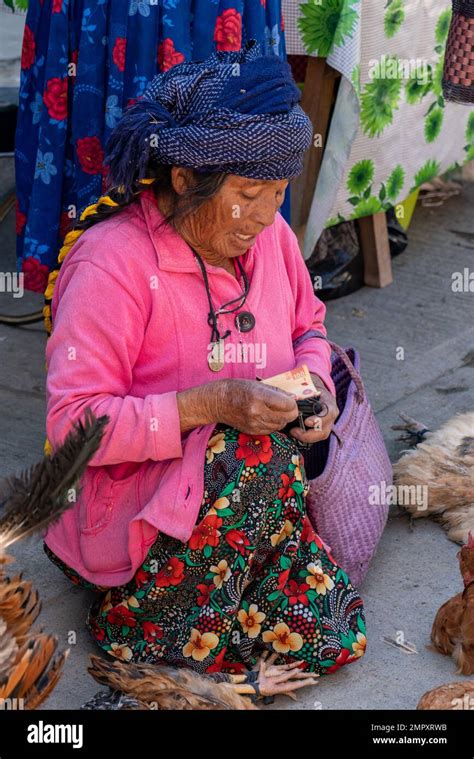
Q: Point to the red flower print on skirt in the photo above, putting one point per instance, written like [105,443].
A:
[55,98]
[20,218]
[118,53]
[238,540]
[168,56]
[228,30]
[121,615]
[151,631]
[28,49]
[255,449]
[90,154]
[286,491]
[171,574]
[344,657]
[141,577]
[36,275]
[297,593]
[221,665]
[206,533]
[205,592]
[283,579]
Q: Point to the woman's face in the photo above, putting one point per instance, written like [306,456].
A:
[228,224]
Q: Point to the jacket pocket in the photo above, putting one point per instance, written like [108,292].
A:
[106,514]
[97,506]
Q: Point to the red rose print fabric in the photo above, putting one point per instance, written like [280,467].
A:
[82,64]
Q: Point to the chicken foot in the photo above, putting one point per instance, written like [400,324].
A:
[416,431]
[268,679]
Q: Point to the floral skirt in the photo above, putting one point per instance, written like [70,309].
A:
[253,576]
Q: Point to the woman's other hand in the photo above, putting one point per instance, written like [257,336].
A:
[319,427]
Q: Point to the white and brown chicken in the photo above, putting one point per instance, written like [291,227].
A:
[443,462]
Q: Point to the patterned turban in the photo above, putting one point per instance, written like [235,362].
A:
[235,112]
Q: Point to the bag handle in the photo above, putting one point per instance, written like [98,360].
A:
[351,369]
[354,374]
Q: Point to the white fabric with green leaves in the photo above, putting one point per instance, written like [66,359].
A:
[14,6]
[391,128]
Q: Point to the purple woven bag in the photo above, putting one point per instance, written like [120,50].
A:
[351,460]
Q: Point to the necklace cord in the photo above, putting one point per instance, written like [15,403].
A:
[212,316]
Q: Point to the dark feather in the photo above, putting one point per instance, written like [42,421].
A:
[113,700]
[466,447]
[37,497]
[167,687]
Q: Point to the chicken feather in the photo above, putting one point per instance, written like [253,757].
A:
[453,628]
[29,664]
[449,696]
[444,464]
[167,687]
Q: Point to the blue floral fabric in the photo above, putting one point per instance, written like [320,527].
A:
[83,62]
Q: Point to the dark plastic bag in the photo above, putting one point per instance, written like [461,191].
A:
[336,265]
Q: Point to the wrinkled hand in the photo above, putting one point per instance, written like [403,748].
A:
[319,427]
[253,407]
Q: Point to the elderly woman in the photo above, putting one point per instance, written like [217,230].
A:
[191,523]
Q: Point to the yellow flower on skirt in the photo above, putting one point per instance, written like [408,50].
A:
[250,620]
[359,645]
[318,580]
[285,532]
[215,445]
[124,653]
[282,639]
[221,573]
[220,503]
[296,460]
[200,646]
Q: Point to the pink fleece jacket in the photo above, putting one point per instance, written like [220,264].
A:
[130,331]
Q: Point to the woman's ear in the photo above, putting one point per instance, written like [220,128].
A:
[181,179]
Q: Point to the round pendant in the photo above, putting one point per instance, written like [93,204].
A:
[245,321]
[215,358]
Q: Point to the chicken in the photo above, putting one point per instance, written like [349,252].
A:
[443,463]
[161,687]
[453,628]
[451,696]
[30,666]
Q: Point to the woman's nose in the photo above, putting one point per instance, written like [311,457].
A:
[265,212]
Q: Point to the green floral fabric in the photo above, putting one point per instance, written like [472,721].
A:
[391,128]
[326,25]
[14,6]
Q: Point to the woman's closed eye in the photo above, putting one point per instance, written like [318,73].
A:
[278,195]
[249,197]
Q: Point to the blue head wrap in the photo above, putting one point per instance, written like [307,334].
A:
[235,112]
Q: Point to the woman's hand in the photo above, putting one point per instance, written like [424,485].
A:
[253,407]
[248,405]
[319,427]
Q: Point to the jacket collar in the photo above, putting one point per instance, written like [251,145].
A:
[172,252]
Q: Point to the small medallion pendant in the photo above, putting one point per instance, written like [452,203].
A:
[215,358]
